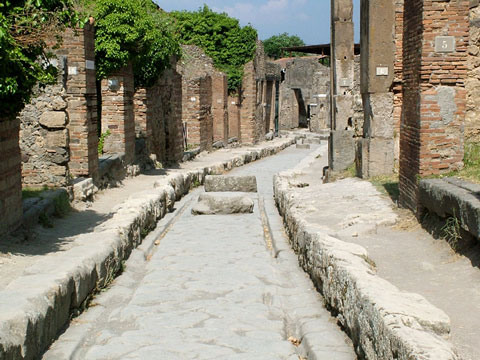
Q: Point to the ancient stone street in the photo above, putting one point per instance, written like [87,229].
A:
[213,287]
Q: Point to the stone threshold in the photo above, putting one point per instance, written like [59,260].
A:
[35,307]
[382,321]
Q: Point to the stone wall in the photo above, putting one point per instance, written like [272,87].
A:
[472,117]
[58,136]
[358,114]
[307,84]
[434,96]
[10,176]
[118,114]
[398,76]
[234,106]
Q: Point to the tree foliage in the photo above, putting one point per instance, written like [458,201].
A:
[273,45]
[222,38]
[132,31]
[25,28]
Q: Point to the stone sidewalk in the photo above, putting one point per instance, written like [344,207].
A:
[354,229]
[48,278]
[211,288]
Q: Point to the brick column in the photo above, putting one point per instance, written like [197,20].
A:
[197,111]
[249,105]
[79,47]
[10,176]
[376,150]
[117,114]
[220,107]
[397,81]
[434,73]
[341,143]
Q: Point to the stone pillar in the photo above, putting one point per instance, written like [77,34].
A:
[79,47]
[10,176]
[472,117]
[342,75]
[434,97]
[234,106]
[249,105]
[117,114]
[220,107]
[397,81]
[375,153]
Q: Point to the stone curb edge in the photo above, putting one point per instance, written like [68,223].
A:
[49,290]
[382,321]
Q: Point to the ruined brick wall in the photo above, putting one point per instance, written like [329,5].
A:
[472,118]
[170,94]
[234,106]
[118,114]
[307,82]
[220,106]
[252,113]
[10,176]
[58,136]
[434,96]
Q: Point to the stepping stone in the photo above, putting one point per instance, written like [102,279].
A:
[220,183]
[224,204]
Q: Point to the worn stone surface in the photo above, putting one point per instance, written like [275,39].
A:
[83,189]
[231,183]
[36,300]
[53,119]
[384,322]
[222,203]
[452,197]
[342,149]
[210,288]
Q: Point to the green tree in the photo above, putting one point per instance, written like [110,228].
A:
[25,28]
[222,38]
[273,45]
[132,31]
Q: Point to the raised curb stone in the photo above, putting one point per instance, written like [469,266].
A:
[383,322]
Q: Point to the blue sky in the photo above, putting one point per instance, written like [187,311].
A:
[309,19]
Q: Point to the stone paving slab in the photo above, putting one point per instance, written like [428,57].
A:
[35,305]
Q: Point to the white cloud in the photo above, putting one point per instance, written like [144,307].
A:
[274,5]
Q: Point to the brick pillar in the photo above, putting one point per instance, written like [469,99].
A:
[434,73]
[341,143]
[10,176]
[118,115]
[197,112]
[220,107]
[79,47]
[249,102]
[376,150]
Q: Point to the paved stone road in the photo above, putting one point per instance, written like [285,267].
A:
[211,289]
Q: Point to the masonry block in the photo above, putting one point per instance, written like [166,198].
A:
[341,149]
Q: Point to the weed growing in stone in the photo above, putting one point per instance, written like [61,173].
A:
[62,205]
[451,231]
[101,141]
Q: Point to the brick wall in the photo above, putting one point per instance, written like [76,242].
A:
[431,138]
[10,176]
[249,105]
[220,106]
[58,136]
[118,115]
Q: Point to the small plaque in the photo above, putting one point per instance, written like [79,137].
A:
[192,99]
[445,44]
[90,65]
[382,70]
[72,70]
[345,82]
[321,96]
